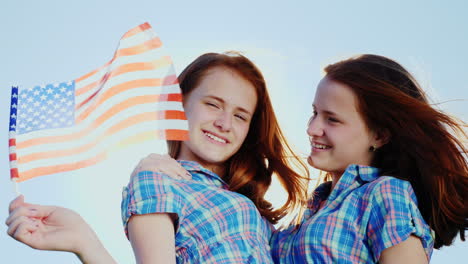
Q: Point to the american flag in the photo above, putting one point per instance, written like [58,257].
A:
[132,99]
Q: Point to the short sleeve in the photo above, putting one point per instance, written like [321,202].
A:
[395,216]
[151,192]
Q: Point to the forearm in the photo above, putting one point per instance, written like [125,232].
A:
[93,251]
[98,256]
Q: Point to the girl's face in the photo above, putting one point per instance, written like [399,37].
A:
[219,111]
[338,134]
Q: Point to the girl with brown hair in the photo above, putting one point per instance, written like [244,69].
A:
[397,171]
[221,215]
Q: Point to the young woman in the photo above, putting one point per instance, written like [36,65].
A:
[397,174]
[221,216]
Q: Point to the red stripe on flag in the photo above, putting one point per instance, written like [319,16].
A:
[138,49]
[128,103]
[170,80]
[141,66]
[14,174]
[176,134]
[86,76]
[40,171]
[136,30]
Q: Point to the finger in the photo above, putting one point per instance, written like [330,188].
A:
[173,173]
[138,166]
[187,175]
[17,222]
[18,201]
[24,234]
[27,211]
[36,212]
[174,167]
[182,172]
[156,156]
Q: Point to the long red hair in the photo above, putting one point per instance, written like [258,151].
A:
[264,152]
[426,146]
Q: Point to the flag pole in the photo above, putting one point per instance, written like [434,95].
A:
[15,185]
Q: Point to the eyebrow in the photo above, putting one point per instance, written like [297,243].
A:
[223,101]
[326,111]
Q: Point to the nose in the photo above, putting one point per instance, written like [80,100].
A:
[224,122]
[315,127]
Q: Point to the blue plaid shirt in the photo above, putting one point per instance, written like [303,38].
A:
[214,224]
[363,215]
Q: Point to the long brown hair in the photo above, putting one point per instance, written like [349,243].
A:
[426,146]
[264,152]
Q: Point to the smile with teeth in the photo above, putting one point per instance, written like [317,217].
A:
[215,138]
[320,146]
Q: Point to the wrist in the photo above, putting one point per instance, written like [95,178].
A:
[91,251]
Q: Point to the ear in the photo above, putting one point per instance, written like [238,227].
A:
[381,137]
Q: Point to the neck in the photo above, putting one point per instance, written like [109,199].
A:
[218,169]
[335,178]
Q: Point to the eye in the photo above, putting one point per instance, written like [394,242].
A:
[314,114]
[240,117]
[212,105]
[333,120]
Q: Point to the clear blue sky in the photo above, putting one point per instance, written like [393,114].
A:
[53,41]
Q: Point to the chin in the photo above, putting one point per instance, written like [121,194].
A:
[318,165]
[215,159]
[314,162]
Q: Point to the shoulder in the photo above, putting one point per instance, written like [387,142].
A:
[150,183]
[394,215]
[387,188]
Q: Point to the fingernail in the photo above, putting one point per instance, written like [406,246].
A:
[32,212]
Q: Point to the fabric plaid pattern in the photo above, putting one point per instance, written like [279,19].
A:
[214,224]
[363,215]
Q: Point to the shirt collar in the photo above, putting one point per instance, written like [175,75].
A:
[320,193]
[195,167]
[353,177]
[358,173]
